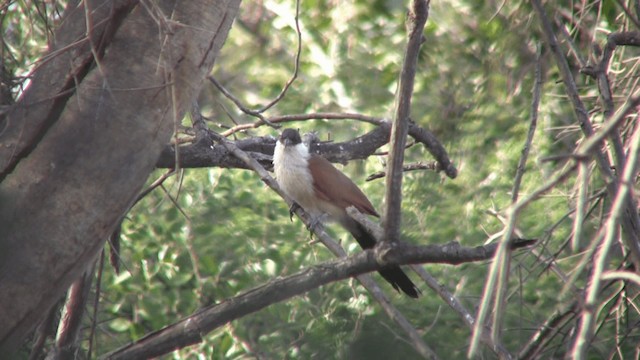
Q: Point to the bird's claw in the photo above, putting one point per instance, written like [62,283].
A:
[313,224]
[292,209]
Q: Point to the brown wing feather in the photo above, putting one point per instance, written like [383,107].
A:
[332,185]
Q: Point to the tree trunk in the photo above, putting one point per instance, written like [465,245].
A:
[83,138]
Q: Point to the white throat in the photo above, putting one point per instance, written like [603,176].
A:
[296,155]
[291,166]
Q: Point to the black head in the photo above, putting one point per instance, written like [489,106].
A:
[290,137]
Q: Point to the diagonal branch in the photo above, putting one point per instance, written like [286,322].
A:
[191,330]
[588,315]
[337,250]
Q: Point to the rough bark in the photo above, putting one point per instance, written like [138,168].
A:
[82,140]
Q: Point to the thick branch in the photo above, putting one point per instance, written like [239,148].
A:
[204,152]
[207,153]
[416,19]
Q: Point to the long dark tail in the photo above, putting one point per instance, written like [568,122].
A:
[393,274]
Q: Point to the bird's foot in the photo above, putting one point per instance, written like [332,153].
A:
[294,206]
[313,224]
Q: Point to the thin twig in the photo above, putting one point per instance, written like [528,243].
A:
[300,117]
[547,331]
[499,271]
[533,122]
[496,346]
[621,275]
[503,279]
[627,12]
[155,184]
[581,204]
[433,165]
[238,103]
[434,147]
[297,63]
[96,304]
[630,220]
[588,316]
[600,73]
[569,83]
[259,113]
[501,257]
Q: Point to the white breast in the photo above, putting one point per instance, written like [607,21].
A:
[292,173]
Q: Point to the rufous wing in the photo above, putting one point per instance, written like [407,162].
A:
[332,185]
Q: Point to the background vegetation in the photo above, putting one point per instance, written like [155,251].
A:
[209,234]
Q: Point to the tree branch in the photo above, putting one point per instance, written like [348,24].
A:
[630,220]
[435,148]
[588,314]
[392,214]
[191,330]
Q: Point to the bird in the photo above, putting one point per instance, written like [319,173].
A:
[323,191]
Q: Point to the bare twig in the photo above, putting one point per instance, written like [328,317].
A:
[238,102]
[501,257]
[259,112]
[155,184]
[581,204]
[499,272]
[503,272]
[588,315]
[533,123]
[630,220]
[433,165]
[297,63]
[599,72]
[586,148]
[621,275]
[416,20]
[547,331]
[96,304]
[311,116]
[627,12]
